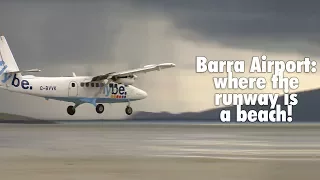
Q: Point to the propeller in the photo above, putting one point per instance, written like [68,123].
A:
[102,87]
[112,79]
[134,76]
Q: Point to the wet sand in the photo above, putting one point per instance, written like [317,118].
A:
[121,168]
[122,151]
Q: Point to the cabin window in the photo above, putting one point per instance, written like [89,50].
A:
[82,84]
[92,84]
[97,84]
[87,84]
[73,84]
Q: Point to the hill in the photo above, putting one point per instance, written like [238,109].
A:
[307,110]
[12,118]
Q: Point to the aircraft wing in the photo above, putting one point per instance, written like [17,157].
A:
[145,69]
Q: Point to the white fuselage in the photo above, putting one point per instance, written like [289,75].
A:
[114,87]
[76,89]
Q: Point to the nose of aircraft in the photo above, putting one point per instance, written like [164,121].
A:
[142,94]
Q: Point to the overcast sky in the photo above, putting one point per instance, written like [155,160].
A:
[94,37]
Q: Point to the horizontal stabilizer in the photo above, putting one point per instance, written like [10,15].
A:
[21,71]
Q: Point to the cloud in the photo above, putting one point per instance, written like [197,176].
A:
[61,32]
[267,25]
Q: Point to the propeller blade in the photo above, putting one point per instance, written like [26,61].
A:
[101,88]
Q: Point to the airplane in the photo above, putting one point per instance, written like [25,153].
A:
[113,87]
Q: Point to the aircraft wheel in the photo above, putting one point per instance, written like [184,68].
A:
[128,110]
[99,108]
[71,110]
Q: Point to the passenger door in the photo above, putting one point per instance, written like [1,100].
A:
[73,89]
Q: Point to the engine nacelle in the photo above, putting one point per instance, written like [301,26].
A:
[125,81]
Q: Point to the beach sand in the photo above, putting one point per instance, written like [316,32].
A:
[158,152]
[133,168]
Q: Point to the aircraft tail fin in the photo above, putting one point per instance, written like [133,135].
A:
[7,61]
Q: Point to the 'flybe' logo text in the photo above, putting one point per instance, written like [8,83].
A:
[16,82]
[24,83]
[3,65]
[115,92]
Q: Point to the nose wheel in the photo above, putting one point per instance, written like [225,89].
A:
[71,110]
[99,108]
[129,110]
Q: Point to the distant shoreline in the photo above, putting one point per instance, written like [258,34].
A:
[26,122]
[145,121]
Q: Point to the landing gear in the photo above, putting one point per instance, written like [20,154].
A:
[71,110]
[129,110]
[99,108]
